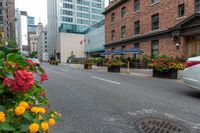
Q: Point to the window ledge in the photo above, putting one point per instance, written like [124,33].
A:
[137,11]
[180,17]
[137,35]
[155,3]
[112,23]
[155,30]
[123,18]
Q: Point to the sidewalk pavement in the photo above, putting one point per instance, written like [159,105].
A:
[135,72]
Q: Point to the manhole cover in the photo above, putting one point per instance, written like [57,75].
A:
[157,125]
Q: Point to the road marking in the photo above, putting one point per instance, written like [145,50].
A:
[194,125]
[106,80]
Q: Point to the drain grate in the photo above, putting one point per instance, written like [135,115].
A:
[157,125]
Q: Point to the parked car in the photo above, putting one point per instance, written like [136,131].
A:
[35,61]
[191,74]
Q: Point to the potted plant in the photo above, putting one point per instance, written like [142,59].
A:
[88,64]
[166,67]
[114,65]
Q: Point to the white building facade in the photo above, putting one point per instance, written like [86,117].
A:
[42,47]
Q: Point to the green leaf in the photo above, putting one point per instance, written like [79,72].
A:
[2,108]
[2,55]
[24,128]
[40,69]
[18,59]
[7,127]
[27,116]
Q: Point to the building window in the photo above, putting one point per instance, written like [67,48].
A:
[155,22]
[113,35]
[96,5]
[197,3]
[136,5]
[67,12]
[123,32]
[137,27]
[155,1]
[137,45]
[69,6]
[155,48]
[67,19]
[123,12]
[112,17]
[181,10]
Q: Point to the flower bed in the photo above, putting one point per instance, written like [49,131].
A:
[23,103]
[114,65]
[166,67]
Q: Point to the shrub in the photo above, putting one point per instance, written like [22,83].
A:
[23,104]
[114,62]
[165,64]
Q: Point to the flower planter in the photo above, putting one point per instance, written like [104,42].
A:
[87,66]
[172,74]
[115,69]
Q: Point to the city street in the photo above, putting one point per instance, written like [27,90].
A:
[101,102]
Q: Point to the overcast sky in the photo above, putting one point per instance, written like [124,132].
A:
[35,8]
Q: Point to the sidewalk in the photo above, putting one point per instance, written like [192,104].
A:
[135,72]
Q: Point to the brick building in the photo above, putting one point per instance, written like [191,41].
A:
[158,27]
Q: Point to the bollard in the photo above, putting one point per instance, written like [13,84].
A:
[128,68]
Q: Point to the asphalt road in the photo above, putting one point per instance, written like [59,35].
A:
[101,102]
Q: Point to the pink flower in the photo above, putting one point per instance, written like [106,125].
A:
[43,77]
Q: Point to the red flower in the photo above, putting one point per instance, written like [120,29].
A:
[43,94]
[30,62]
[43,77]
[23,81]
[8,82]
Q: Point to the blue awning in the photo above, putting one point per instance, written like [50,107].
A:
[107,53]
[119,51]
[134,51]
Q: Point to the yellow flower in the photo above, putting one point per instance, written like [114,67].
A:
[35,109]
[52,116]
[44,126]
[52,122]
[2,117]
[40,117]
[24,104]
[33,128]
[42,110]
[19,110]
[60,115]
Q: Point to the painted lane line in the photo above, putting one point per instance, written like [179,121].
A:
[105,80]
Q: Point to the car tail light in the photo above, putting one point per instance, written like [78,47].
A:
[192,63]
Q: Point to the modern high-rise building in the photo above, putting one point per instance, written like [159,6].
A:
[31,25]
[70,16]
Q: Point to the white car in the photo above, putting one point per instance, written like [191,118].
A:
[191,74]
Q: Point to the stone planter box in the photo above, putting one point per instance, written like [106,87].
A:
[87,66]
[173,74]
[115,69]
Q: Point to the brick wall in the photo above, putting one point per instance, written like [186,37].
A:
[168,10]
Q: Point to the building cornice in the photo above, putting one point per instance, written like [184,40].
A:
[113,6]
